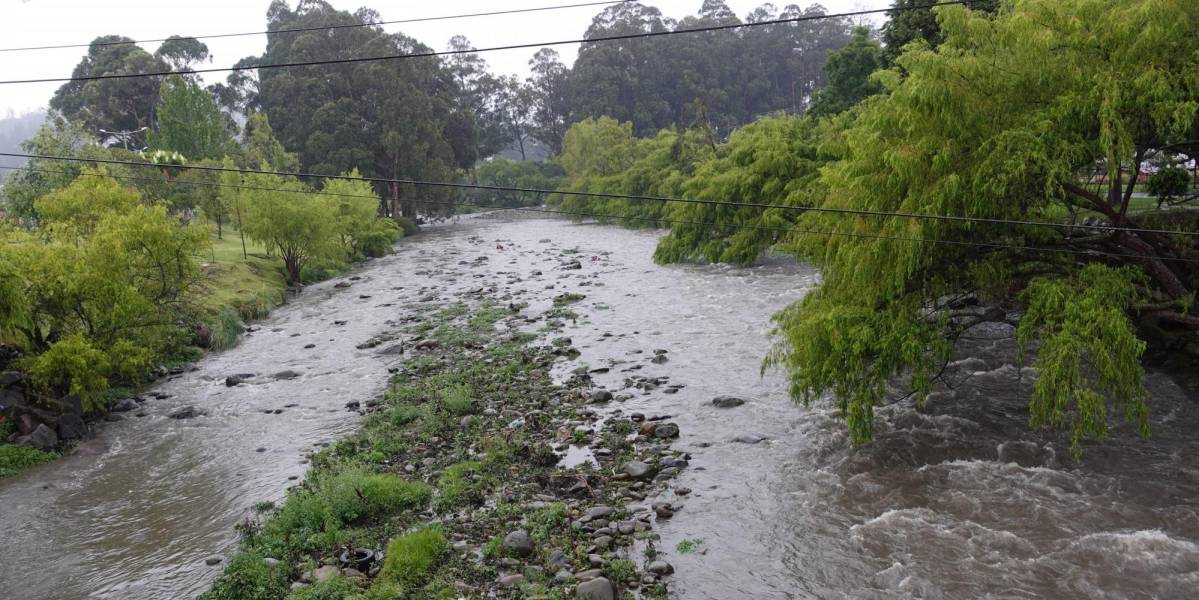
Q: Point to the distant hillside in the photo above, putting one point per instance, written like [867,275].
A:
[13,131]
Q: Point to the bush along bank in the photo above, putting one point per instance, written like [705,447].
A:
[455,485]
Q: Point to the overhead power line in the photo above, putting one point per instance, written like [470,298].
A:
[726,203]
[327,27]
[609,38]
[793,230]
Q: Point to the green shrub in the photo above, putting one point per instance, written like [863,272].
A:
[408,226]
[411,557]
[458,399]
[354,494]
[248,577]
[460,485]
[15,458]
[334,588]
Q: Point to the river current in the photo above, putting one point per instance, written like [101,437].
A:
[955,499]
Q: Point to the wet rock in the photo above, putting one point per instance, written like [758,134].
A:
[562,576]
[323,573]
[309,346]
[185,412]
[572,265]
[42,438]
[596,589]
[233,380]
[664,510]
[10,378]
[659,359]
[212,560]
[283,375]
[637,470]
[558,558]
[749,438]
[660,567]
[647,428]
[342,285]
[125,405]
[518,543]
[353,405]
[682,491]
[727,401]
[601,396]
[666,430]
[71,427]
[427,345]
[113,418]
[597,512]
[511,581]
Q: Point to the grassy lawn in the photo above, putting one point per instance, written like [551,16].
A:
[237,286]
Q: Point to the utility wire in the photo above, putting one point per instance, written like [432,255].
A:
[500,188]
[327,27]
[652,220]
[609,38]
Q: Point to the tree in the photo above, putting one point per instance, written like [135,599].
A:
[261,147]
[56,137]
[180,53]
[906,24]
[1169,183]
[849,71]
[514,108]
[386,118]
[189,121]
[298,227]
[112,105]
[97,292]
[356,209]
[549,83]
[1003,120]
[516,173]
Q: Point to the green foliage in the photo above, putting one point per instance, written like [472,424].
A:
[248,577]
[1169,183]
[1011,145]
[122,104]
[356,209]
[775,160]
[460,485]
[620,570]
[411,557]
[849,70]
[334,588]
[99,291]
[1088,355]
[519,174]
[458,399]
[189,121]
[261,147]
[354,494]
[296,226]
[75,361]
[15,458]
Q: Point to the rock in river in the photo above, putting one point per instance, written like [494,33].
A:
[42,438]
[727,401]
[185,412]
[125,405]
[596,589]
[666,430]
[637,470]
[71,427]
[518,543]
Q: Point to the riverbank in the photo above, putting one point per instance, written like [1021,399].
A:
[476,475]
[241,283]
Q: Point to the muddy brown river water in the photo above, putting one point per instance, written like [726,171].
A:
[955,500]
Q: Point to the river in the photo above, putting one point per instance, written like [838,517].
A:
[955,500]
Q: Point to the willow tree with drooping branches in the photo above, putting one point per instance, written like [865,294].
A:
[1009,117]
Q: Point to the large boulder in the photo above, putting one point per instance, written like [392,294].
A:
[71,427]
[10,378]
[42,438]
[185,412]
[518,543]
[596,589]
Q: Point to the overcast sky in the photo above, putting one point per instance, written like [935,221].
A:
[51,22]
